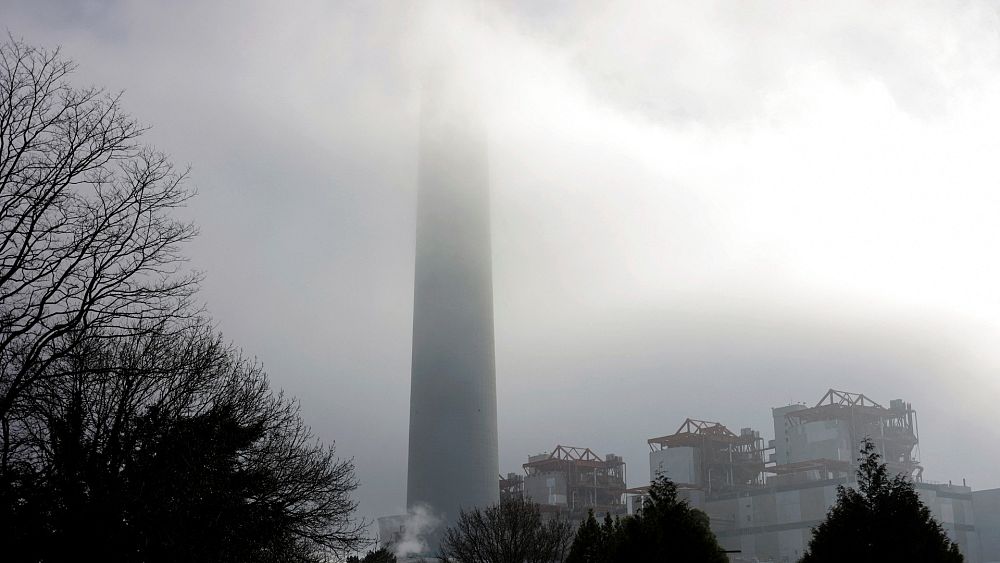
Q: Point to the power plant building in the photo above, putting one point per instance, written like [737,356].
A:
[763,502]
[709,456]
[568,482]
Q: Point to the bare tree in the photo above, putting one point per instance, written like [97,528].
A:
[127,427]
[87,240]
[509,532]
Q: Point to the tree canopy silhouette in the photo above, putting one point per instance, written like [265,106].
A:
[594,542]
[509,532]
[882,520]
[664,529]
[128,430]
[171,447]
[380,555]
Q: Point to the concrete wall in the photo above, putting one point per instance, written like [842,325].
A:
[825,439]
[951,505]
[773,523]
[681,465]
[776,522]
[546,488]
[781,441]
[986,509]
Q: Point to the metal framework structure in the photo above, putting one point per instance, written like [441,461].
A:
[592,483]
[727,461]
[511,486]
[893,430]
[833,466]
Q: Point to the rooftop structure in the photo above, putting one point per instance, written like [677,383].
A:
[767,509]
[824,439]
[511,486]
[707,455]
[570,481]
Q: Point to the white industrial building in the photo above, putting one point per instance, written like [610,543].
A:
[764,501]
[568,482]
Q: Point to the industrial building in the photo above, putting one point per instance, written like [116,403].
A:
[775,523]
[764,501]
[824,438]
[511,486]
[570,481]
[764,498]
[710,456]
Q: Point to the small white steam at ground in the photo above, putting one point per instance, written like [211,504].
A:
[420,522]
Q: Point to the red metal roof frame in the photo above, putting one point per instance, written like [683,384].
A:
[574,455]
[847,399]
[836,404]
[693,432]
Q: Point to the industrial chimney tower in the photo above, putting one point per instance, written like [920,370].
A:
[453,418]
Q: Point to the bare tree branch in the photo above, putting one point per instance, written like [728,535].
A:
[87,239]
[509,532]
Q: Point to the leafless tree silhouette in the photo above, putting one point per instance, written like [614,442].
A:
[509,532]
[127,426]
[87,239]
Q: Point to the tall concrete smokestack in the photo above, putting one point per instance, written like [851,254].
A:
[453,419]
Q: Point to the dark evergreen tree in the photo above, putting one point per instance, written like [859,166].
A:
[665,529]
[591,543]
[170,447]
[380,555]
[882,520]
[610,526]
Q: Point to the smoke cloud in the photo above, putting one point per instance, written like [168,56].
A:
[420,522]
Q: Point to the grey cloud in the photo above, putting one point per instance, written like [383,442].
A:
[644,271]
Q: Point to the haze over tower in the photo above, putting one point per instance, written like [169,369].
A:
[453,424]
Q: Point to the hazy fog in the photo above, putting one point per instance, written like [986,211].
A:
[699,209]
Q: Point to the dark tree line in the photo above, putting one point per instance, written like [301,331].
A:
[664,529]
[380,555]
[169,447]
[129,431]
[513,531]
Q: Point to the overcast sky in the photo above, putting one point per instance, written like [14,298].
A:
[700,209]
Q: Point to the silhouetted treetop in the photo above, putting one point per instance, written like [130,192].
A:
[882,520]
[511,531]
